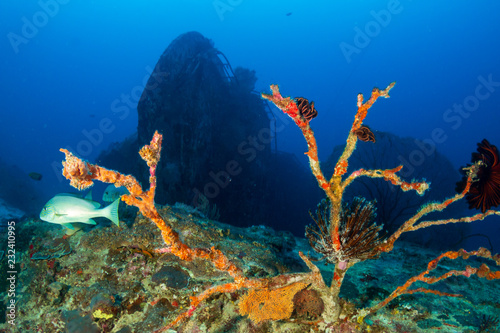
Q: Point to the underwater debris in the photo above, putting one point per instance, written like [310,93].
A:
[206,112]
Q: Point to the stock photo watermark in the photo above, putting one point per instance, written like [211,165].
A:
[32,25]
[121,108]
[453,116]
[222,7]
[363,36]
[11,312]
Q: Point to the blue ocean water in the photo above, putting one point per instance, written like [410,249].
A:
[72,71]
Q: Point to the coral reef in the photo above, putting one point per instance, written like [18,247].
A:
[119,272]
[331,240]
[345,248]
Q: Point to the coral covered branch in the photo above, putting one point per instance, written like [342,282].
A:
[363,107]
[483,272]
[289,106]
[334,188]
[412,223]
[82,175]
[390,176]
[341,167]
[346,233]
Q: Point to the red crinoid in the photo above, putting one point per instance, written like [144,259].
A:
[484,193]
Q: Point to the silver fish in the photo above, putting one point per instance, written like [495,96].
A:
[65,209]
[111,193]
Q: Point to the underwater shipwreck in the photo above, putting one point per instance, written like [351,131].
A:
[172,268]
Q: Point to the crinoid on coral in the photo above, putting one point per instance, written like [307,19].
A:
[359,235]
[346,233]
[484,192]
[306,109]
[364,133]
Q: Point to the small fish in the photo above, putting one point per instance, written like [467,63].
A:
[65,209]
[35,175]
[111,193]
[288,14]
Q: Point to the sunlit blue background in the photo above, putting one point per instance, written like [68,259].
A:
[61,78]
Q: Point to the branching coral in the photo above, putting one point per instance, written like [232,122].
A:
[82,175]
[345,233]
[483,272]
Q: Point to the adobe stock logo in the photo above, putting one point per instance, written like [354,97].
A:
[372,29]
[121,108]
[31,27]
[222,7]
[453,116]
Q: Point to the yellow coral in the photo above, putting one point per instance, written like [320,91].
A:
[267,304]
